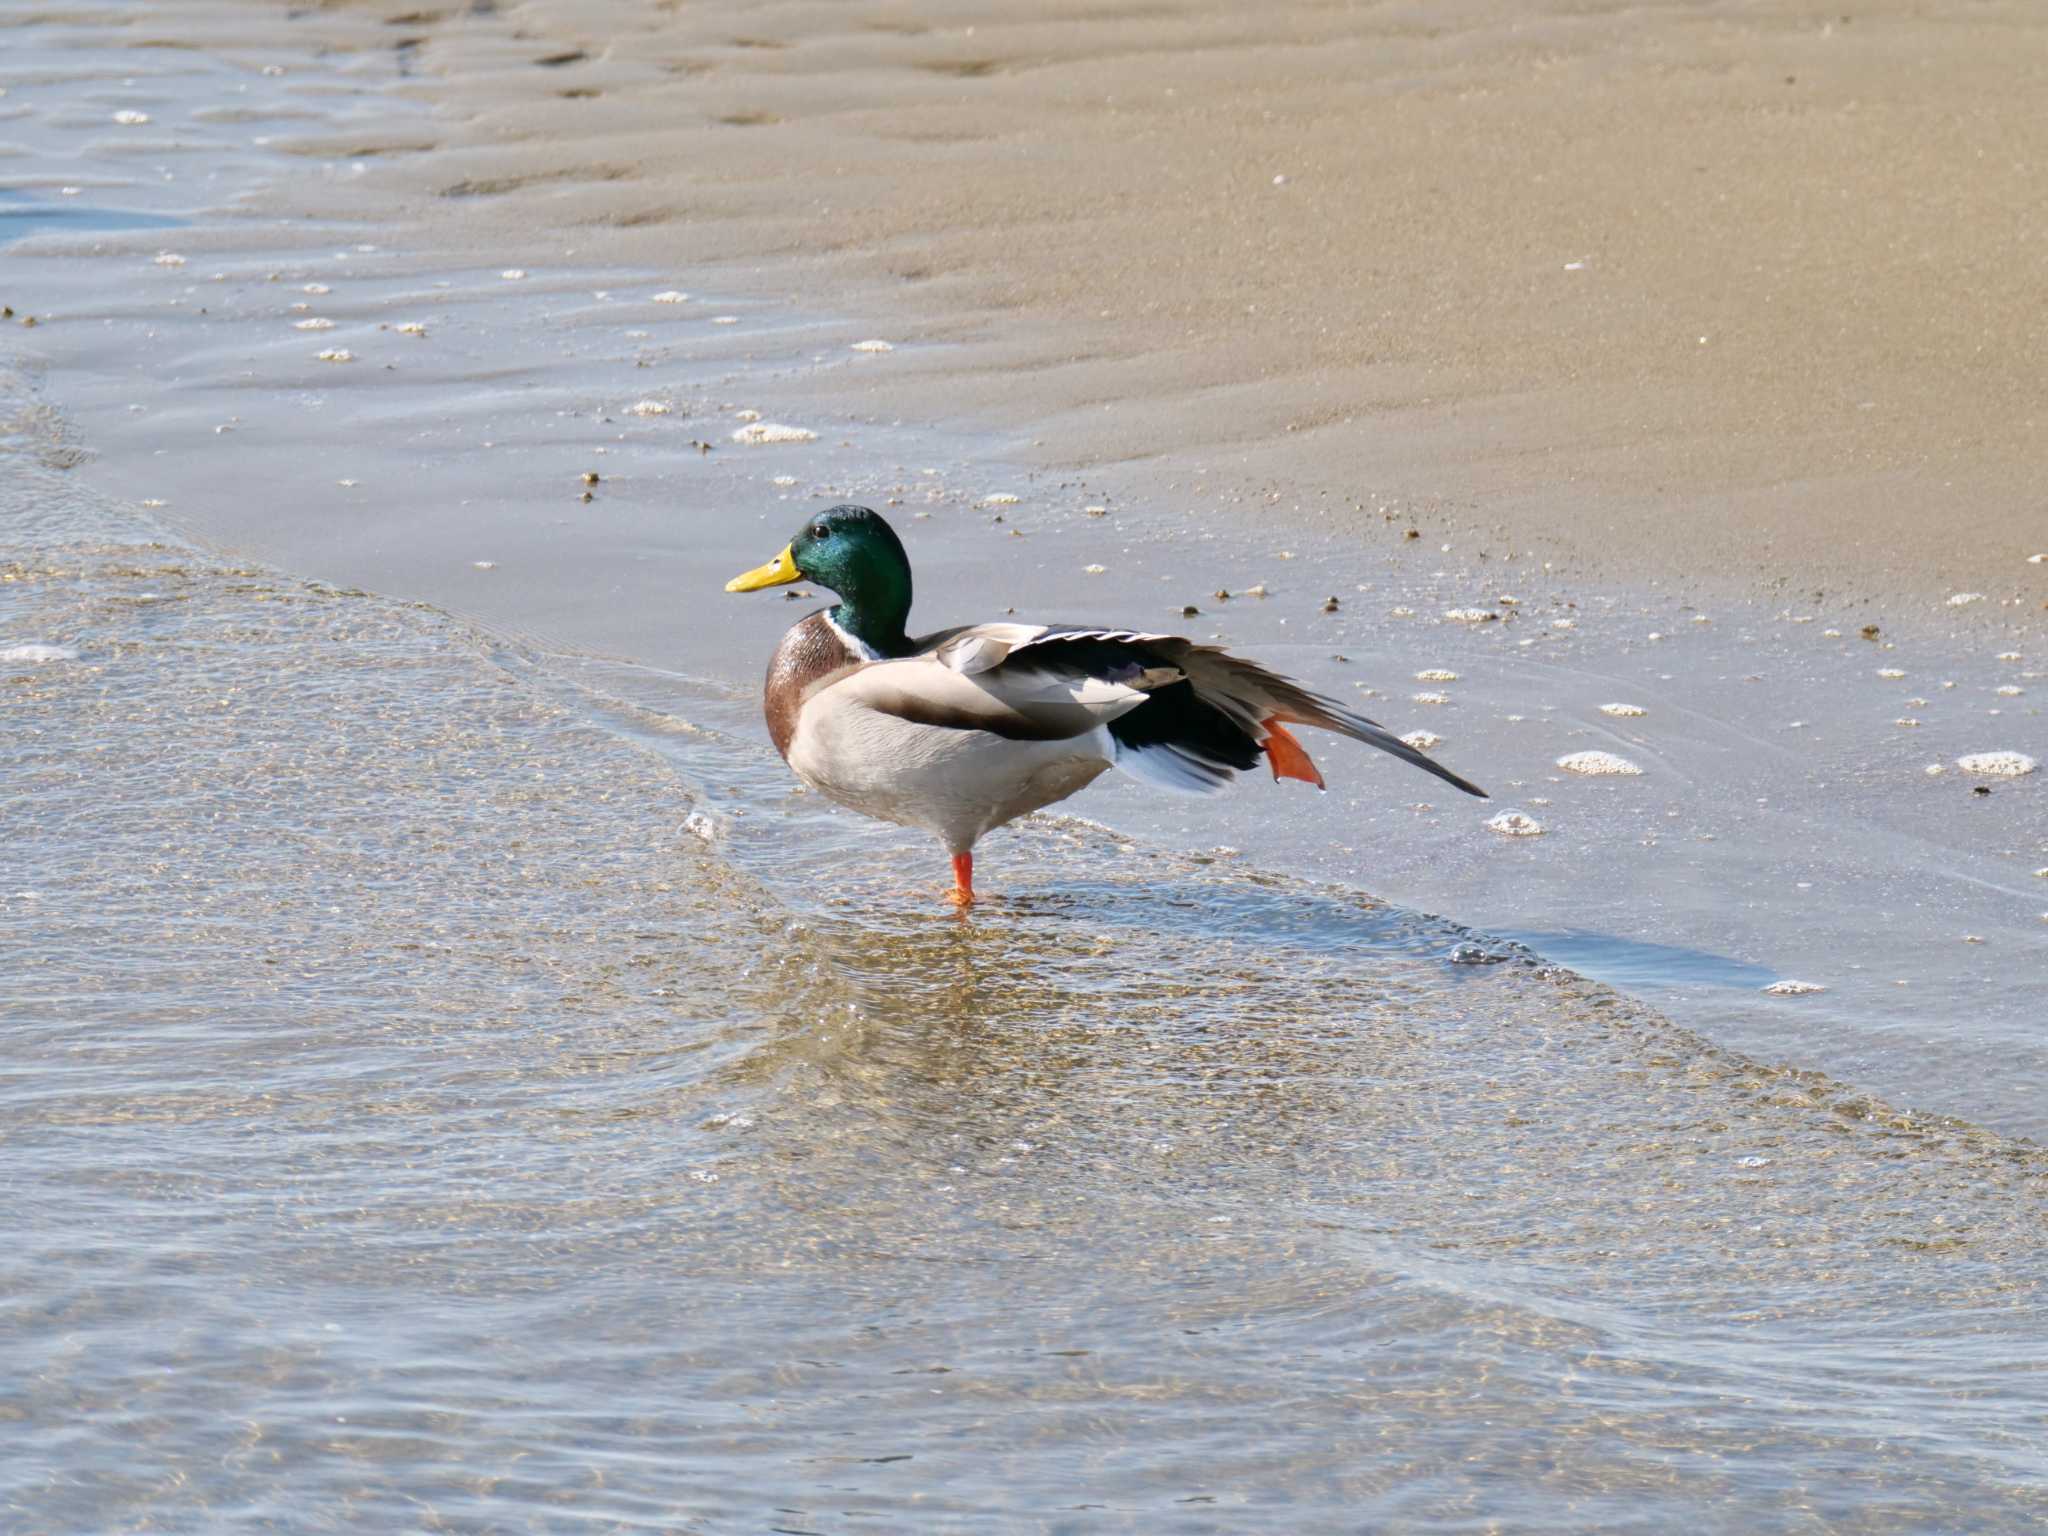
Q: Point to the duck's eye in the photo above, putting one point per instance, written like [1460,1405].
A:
[820,531]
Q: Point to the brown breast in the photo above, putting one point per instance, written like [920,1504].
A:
[809,653]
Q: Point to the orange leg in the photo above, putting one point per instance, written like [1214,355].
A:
[962,894]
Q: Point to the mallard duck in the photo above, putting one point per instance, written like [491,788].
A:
[965,730]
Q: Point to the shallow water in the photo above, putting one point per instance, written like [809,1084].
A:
[453,1081]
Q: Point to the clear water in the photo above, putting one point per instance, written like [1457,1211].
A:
[447,1091]
[453,1082]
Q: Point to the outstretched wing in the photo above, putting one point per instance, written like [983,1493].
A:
[1184,716]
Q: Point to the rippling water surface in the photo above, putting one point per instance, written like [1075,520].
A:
[453,1088]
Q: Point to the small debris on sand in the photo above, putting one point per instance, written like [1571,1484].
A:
[1628,711]
[1793,989]
[591,477]
[1423,741]
[1515,824]
[649,408]
[1907,721]
[1597,763]
[873,345]
[1330,604]
[1094,570]
[759,432]
[411,328]
[1997,765]
[1096,511]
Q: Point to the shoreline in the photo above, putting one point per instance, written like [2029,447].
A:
[446,467]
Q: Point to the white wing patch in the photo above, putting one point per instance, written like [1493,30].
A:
[1169,768]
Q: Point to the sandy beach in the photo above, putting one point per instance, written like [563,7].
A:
[1740,297]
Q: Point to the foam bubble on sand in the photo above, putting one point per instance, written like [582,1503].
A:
[1907,721]
[2008,655]
[1001,499]
[1431,698]
[725,319]
[317,323]
[2037,559]
[1964,599]
[169,259]
[1470,615]
[2041,874]
[649,408]
[746,415]
[1564,623]
[127,117]
[1626,711]
[38,652]
[874,345]
[1423,741]
[336,355]
[1597,762]
[784,480]
[759,432]
[1094,570]
[2010,692]
[1997,765]
[1936,770]
[1515,824]
[513,274]
[316,288]
[1793,988]
[411,328]
[1890,672]
[1436,675]
[670,296]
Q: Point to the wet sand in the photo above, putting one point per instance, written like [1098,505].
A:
[1745,298]
[1786,825]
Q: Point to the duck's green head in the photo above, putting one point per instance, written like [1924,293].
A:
[853,552]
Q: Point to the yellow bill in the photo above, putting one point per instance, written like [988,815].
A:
[774,574]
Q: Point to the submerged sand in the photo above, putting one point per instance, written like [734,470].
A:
[1747,295]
